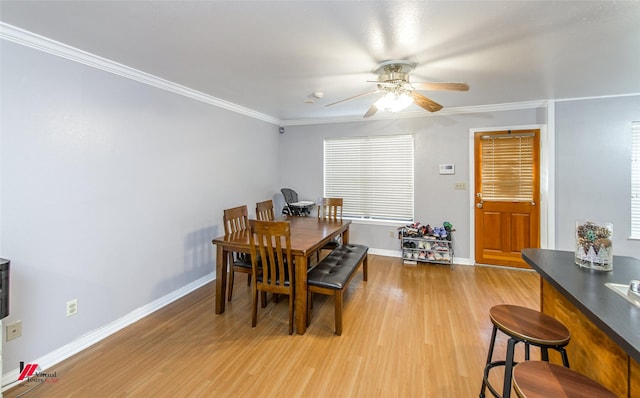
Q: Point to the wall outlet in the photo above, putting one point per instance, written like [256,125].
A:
[392,234]
[460,186]
[72,307]
[14,330]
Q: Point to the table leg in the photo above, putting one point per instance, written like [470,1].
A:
[301,294]
[221,278]
[345,237]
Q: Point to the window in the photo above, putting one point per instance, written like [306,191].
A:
[508,167]
[374,176]
[635,180]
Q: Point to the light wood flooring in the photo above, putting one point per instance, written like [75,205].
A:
[410,331]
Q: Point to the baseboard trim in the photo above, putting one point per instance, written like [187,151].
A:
[386,253]
[10,379]
[462,261]
[398,254]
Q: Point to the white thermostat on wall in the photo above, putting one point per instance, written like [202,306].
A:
[447,168]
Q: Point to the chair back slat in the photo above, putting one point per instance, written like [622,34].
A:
[272,239]
[264,211]
[236,219]
[330,209]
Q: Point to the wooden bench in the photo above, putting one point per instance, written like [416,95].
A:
[332,275]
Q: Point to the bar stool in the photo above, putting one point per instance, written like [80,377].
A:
[537,379]
[523,325]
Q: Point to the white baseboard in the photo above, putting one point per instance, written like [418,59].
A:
[54,357]
[386,253]
[398,254]
[462,261]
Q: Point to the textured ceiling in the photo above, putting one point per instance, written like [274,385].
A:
[270,56]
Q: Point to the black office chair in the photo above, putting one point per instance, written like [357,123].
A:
[295,207]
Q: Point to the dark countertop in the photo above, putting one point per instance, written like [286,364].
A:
[585,289]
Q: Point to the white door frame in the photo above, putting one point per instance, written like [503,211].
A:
[547,179]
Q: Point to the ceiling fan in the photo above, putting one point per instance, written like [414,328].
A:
[398,93]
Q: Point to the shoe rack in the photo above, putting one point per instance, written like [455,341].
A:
[427,245]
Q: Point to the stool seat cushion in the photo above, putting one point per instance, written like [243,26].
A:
[538,379]
[529,325]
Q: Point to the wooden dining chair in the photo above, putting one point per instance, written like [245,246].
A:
[264,211]
[330,209]
[237,219]
[271,241]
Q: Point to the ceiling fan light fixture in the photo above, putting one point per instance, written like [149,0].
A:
[402,102]
[398,93]
[394,102]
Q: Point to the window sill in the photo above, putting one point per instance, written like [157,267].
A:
[365,221]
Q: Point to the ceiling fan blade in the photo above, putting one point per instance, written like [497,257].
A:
[441,86]
[372,111]
[424,102]
[354,97]
[387,84]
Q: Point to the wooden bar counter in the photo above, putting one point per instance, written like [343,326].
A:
[604,326]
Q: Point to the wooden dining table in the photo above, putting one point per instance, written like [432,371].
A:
[308,235]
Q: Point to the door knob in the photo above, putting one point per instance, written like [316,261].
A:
[479,205]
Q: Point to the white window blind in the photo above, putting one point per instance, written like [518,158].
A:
[635,179]
[374,176]
[508,167]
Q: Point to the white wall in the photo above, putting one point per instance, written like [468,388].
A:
[593,168]
[438,139]
[111,192]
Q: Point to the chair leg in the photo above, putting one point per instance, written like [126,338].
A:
[254,306]
[489,358]
[565,358]
[248,279]
[263,299]
[231,279]
[544,354]
[309,306]
[364,268]
[508,368]
[291,313]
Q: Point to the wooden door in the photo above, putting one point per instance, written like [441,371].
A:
[507,186]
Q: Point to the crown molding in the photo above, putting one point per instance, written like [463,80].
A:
[539,104]
[41,43]
[597,97]
[413,114]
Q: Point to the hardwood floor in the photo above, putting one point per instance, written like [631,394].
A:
[410,331]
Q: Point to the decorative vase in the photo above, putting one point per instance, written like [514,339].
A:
[594,249]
